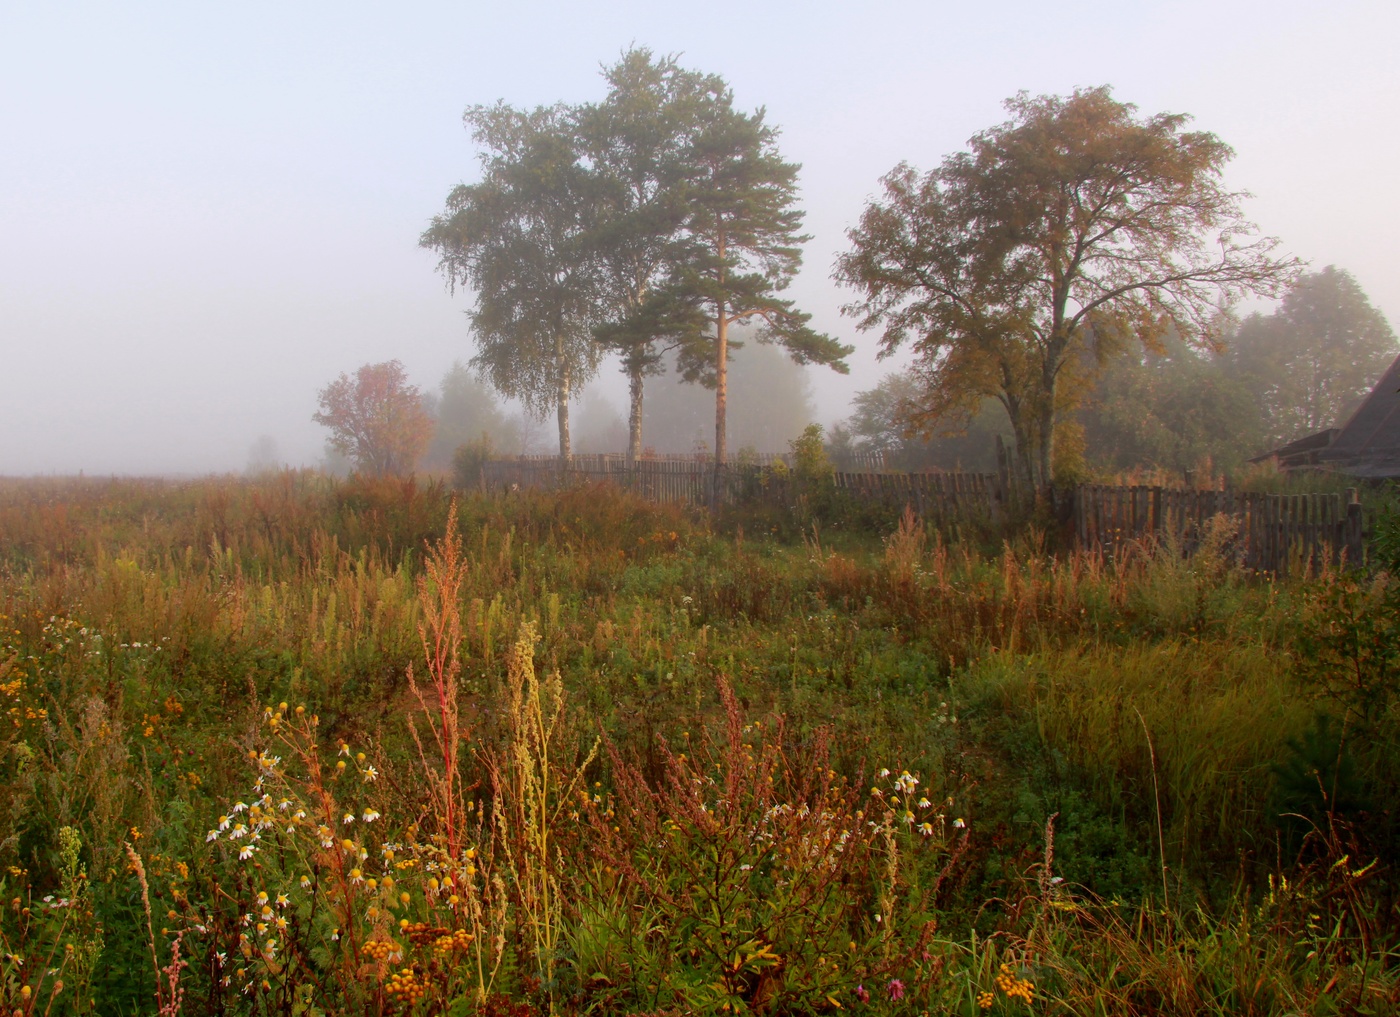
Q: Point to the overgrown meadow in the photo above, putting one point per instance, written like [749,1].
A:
[304,746]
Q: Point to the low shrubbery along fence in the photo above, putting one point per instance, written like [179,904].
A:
[1265,531]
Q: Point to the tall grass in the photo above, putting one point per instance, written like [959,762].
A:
[379,752]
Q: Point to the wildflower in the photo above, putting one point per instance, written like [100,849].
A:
[958,823]
[371,774]
[924,803]
[240,807]
[896,988]
[284,805]
[306,882]
[349,818]
[223,822]
[356,876]
[369,816]
[862,994]
[246,852]
[344,749]
[926,829]
[262,896]
[211,835]
[281,923]
[238,831]
[884,772]
[283,900]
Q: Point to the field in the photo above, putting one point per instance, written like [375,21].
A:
[304,746]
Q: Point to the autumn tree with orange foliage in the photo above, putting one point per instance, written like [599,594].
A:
[1059,240]
[377,419]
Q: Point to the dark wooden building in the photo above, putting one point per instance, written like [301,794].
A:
[1366,445]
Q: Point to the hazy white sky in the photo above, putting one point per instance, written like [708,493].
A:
[207,212]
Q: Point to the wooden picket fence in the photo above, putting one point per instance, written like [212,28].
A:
[1264,532]
[689,482]
[611,462]
[1267,532]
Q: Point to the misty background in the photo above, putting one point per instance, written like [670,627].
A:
[207,214]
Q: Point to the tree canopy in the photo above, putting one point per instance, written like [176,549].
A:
[1313,360]
[633,143]
[744,248]
[376,419]
[520,238]
[464,410]
[1058,239]
[879,423]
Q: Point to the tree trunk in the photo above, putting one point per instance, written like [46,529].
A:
[566,453]
[1047,444]
[1049,379]
[1023,456]
[721,382]
[634,418]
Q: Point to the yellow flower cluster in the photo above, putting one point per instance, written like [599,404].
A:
[405,984]
[459,940]
[986,999]
[421,933]
[1015,987]
[380,949]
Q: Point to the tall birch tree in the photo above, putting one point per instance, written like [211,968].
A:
[519,238]
[633,142]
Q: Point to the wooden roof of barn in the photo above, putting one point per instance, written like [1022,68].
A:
[1368,444]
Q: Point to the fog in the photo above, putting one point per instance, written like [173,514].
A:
[206,214]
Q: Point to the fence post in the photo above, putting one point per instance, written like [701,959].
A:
[1353,529]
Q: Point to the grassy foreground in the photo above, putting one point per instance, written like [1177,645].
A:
[298,746]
